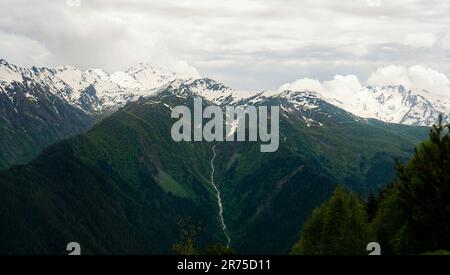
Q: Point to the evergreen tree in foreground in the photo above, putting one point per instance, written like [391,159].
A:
[338,227]
[417,208]
[410,216]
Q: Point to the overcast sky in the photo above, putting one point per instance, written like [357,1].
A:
[247,44]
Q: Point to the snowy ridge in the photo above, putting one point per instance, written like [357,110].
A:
[394,104]
[96,91]
[218,93]
[92,90]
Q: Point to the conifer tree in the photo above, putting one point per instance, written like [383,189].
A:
[338,227]
[371,206]
[424,192]
[414,212]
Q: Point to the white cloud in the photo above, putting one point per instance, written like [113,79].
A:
[14,46]
[415,77]
[421,40]
[73,3]
[303,84]
[340,86]
[344,86]
[373,3]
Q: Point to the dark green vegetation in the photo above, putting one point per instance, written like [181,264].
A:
[267,197]
[119,189]
[32,118]
[414,213]
[188,242]
[122,187]
[411,215]
[338,227]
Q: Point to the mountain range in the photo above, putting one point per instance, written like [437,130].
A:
[96,91]
[111,177]
[39,106]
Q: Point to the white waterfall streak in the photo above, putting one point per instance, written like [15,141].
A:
[219,199]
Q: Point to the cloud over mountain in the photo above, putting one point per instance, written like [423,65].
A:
[417,77]
[411,95]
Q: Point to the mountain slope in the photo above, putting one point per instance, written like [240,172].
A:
[121,187]
[118,189]
[31,118]
[266,196]
[40,106]
[59,92]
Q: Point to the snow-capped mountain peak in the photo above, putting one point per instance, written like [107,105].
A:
[9,72]
[92,90]
[96,91]
[394,104]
